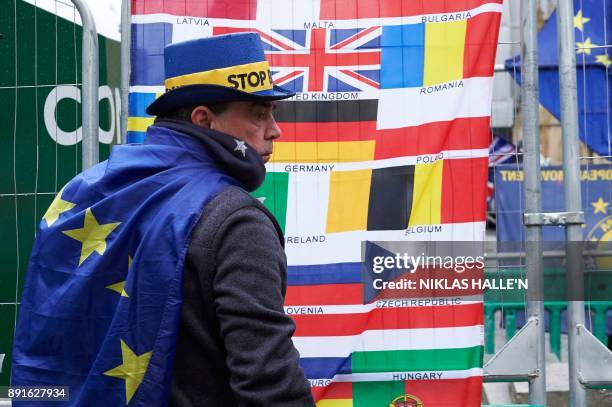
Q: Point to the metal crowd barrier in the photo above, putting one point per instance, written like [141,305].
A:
[90,80]
[598,310]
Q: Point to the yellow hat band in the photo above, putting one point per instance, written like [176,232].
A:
[249,78]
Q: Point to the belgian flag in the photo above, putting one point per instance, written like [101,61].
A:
[395,198]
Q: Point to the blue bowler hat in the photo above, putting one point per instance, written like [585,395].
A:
[223,68]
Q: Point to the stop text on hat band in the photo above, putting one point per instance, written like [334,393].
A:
[247,78]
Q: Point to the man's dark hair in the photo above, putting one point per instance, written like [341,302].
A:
[184,113]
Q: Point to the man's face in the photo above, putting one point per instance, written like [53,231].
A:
[252,122]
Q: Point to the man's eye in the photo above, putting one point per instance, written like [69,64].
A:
[261,116]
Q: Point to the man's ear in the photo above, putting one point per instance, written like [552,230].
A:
[202,116]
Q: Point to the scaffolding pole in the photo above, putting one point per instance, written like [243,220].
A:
[571,185]
[522,358]
[90,83]
[533,200]
[126,35]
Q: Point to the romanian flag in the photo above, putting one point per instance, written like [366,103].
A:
[386,140]
[437,50]
[438,69]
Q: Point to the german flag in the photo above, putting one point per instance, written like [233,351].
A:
[354,141]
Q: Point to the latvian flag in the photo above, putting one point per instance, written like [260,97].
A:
[386,140]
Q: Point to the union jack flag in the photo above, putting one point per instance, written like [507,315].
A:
[321,59]
[500,151]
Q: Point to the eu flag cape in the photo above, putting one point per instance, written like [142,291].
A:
[102,297]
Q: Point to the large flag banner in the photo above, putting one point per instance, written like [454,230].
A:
[386,139]
[592,31]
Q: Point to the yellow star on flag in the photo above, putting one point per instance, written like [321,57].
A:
[604,59]
[585,47]
[600,206]
[120,286]
[579,21]
[132,370]
[92,235]
[58,206]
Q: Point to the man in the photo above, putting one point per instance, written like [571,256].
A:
[155,276]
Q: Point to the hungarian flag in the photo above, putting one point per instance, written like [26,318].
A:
[386,140]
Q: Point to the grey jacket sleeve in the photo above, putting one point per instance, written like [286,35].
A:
[248,289]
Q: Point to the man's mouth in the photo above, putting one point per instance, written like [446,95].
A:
[265,156]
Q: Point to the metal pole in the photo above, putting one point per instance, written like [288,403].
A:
[571,183]
[126,41]
[90,83]
[533,201]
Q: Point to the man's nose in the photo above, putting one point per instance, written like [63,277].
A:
[274,131]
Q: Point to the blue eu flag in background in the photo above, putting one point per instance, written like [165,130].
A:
[592,30]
